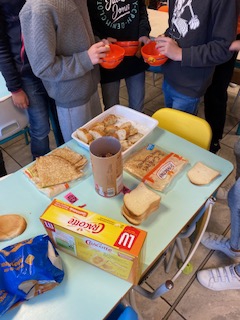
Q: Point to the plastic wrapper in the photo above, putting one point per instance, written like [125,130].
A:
[165,171]
[156,167]
[73,161]
[27,269]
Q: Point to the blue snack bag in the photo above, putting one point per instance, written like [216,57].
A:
[27,269]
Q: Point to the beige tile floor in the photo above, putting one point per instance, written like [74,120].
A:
[188,299]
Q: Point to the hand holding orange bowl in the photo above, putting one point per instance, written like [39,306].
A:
[113,57]
[152,56]
[130,47]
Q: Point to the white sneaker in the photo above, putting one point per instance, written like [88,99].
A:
[218,279]
[222,192]
[218,242]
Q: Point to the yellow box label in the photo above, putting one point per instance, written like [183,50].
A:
[106,243]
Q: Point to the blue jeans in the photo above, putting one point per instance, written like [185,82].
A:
[176,100]
[39,102]
[136,92]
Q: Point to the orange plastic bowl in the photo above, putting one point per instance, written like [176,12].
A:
[113,57]
[130,47]
[151,55]
[163,8]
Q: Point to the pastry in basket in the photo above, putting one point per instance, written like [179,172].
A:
[96,133]
[99,126]
[139,204]
[125,145]
[110,119]
[112,126]
[122,134]
[84,135]
[134,138]
[111,129]
[131,130]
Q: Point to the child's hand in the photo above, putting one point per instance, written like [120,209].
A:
[235,46]
[20,99]
[111,40]
[144,40]
[97,52]
[169,48]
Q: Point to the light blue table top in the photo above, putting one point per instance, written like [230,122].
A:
[86,291]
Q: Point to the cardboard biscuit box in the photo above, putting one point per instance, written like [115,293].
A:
[111,245]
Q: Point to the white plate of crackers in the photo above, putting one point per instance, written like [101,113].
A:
[130,127]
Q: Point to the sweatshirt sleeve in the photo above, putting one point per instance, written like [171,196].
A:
[39,28]
[223,32]
[144,25]
[7,65]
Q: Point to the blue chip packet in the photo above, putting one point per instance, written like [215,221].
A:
[27,269]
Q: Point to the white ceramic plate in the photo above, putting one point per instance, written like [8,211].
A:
[142,122]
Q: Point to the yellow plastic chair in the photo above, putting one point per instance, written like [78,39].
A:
[197,131]
[185,125]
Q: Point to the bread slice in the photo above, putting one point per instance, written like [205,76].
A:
[98,125]
[111,129]
[11,226]
[110,119]
[84,135]
[134,137]
[133,131]
[125,125]
[140,202]
[137,220]
[200,174]
[96,133]
[112,134]
[124,144]
[122,134]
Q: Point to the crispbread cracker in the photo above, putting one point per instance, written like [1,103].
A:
[73,157]
[200,174]
[54,170]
